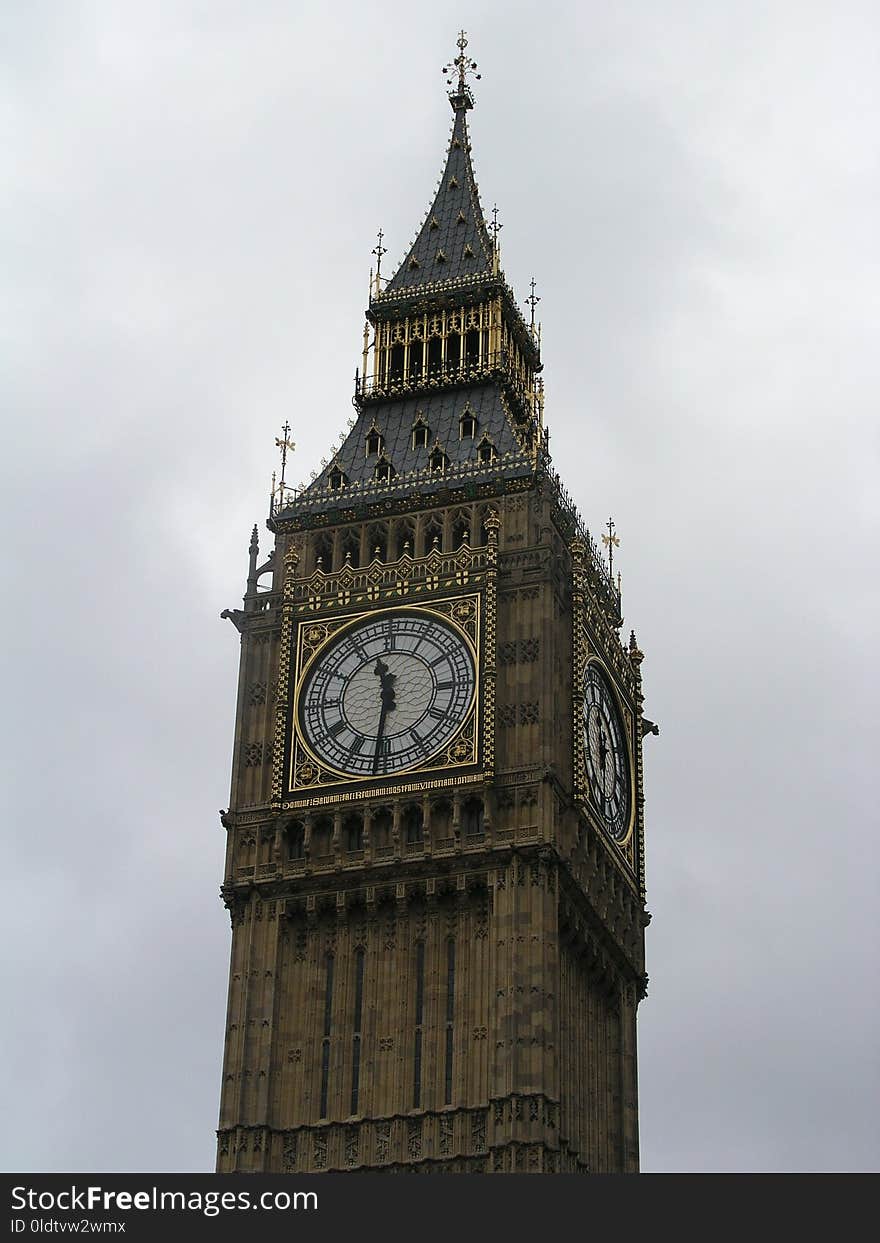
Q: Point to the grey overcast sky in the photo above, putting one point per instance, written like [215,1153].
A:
[190,194]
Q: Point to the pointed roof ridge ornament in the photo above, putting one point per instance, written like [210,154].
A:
[461,97]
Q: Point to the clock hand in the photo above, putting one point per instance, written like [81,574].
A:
[379,734]
[603,756]
[388,703]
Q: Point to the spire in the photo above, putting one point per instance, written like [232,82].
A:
[453,242]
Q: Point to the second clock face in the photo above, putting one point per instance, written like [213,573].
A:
[606,753]
[387,693]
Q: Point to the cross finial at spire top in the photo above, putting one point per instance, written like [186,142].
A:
[460,96]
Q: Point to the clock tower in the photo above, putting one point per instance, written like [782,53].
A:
[435,838]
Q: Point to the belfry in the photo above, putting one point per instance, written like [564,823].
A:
[434,867]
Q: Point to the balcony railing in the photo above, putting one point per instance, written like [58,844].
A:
[420,379]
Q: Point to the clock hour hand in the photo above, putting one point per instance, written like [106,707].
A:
[603,752]
[388,703]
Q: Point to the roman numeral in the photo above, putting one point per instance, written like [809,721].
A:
[445,686]
[436,714]
[336,728]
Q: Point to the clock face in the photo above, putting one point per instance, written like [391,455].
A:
[606,752]
[387,693]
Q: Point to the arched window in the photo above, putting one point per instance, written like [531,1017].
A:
[416,355]
[322,833]
[395,368]
[486,450]
[472,349]
[375,441]
[377,542]
[350,546]
[467,425]
[420,432]
[405,539]
[435,356]
[438,461]
[295,834]
[441,819]
[461,530]
[472,817]
[412,824]
[353,833]
[324,552]
[384,471]
[380,832]
[434,535]
[337,478]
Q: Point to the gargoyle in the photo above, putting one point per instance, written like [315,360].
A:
[236,616]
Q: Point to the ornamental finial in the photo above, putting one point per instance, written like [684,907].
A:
[378,250]
[279,497]
[611,542]
[460,95]
[286,445]
[495,228]
[531,302]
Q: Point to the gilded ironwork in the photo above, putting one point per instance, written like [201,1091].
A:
[460,68]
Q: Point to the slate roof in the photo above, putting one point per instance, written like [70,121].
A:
[453,240]
[394,419]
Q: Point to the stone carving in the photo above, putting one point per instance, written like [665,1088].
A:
[253,755]
[383,1140]
[478,1131]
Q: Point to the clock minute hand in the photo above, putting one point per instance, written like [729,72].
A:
[386,693]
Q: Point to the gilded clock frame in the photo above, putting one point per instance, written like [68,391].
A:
[317,607]
[462,614]
[613,663]
[626,718]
